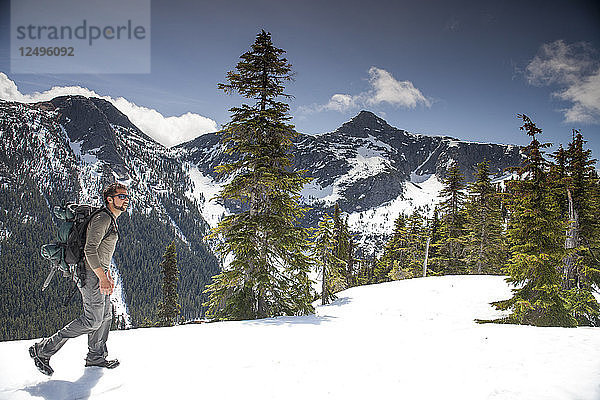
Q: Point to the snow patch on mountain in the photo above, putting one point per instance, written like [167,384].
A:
[380,221]
[366,162]
[313,192]
[378,144]
[88,157]
[178,231]
[203,190]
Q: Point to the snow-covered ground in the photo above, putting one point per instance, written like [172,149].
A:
[412,339]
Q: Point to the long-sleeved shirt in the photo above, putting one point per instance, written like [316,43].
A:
[101,240]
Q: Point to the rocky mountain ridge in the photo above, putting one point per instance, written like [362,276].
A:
[371,169]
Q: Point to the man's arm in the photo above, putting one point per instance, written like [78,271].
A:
[96,231]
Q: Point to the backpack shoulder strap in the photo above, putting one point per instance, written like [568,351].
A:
[113,222]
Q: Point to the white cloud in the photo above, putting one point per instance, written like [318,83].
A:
[168,131]
[337,102]
[384,88]
[340,102]
[574,70]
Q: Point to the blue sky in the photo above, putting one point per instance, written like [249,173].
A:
[458,68]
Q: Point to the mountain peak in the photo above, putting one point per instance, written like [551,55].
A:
[367,118]
[365,114]
[363,124]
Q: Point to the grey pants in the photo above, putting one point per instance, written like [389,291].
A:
[95,321]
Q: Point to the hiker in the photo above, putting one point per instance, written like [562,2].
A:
[95,321]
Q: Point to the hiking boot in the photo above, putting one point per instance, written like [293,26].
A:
[42,363]
[110,364]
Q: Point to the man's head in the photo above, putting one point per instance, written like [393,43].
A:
[116,197]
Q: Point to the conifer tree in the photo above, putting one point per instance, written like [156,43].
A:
[534,233]
[449,248]
[366,271]
[168,308]
[390,265]
[343,249]
[581,269]
[416,240]
[433,227]
[328,265]
[353,262]
[268,272]
[362,271]
[485,250]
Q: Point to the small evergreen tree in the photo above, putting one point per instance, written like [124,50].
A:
[433,227]
[416,240]
[168,308]
[268,272]
[328,265]
[343,248]
[449,248]
[390,265]
[366,270]
[485,250]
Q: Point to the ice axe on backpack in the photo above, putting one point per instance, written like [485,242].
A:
[54,253]
[53,269]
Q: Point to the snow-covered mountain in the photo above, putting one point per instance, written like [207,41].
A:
[410,339]
[371,169]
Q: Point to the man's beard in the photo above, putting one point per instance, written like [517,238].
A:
[122,208]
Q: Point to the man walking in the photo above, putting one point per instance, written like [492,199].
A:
[95,321]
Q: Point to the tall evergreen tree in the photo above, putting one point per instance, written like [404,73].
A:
[449,248]
[535,235]
[485,249]
[581,269]
[268,272]
[168,309]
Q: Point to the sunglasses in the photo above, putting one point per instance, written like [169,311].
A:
[122,196]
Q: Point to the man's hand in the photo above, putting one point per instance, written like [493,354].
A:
[106,285]
[110,278]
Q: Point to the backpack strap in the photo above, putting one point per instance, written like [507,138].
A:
[113,223]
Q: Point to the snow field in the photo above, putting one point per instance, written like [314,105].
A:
[412,339]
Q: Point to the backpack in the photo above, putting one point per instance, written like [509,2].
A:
[66,255]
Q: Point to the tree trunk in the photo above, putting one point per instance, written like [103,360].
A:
[570,277]
[426,257]
[324,286]
[480,257]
